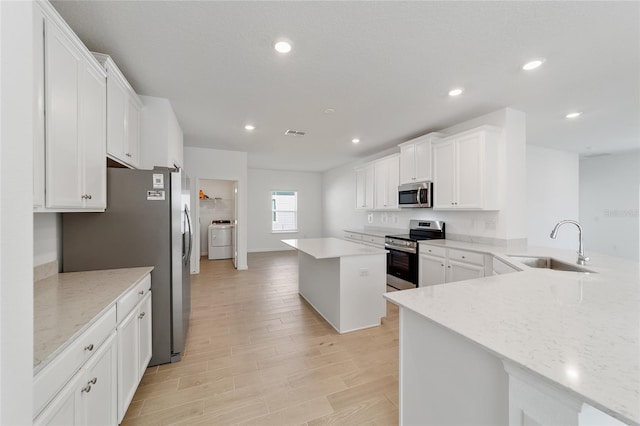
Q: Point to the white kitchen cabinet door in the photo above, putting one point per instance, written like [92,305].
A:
[64,410]
[459,271]
[116,107]
[39,125]
[470,165]
[92,134]
[386,178]
[408,162]
[132,126]
[63,152]
[466,171]
[432,270]
[123,115]
[144,319]
[128,360]
[423,160]
[98,396]
[393,179]
[364,187]
[444,186]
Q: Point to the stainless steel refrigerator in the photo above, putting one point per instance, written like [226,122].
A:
[146,223]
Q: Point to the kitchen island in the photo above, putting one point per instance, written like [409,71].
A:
[548,346]
[343,281]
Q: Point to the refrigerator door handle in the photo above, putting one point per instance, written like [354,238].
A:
[186,211]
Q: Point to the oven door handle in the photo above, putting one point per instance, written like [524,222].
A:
[405,250]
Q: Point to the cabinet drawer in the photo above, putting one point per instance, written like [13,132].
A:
[466,256]
[132,297]
[52,377]
[371,239]
[352,236]
[432,250]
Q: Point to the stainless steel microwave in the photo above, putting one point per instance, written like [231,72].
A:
[417,194]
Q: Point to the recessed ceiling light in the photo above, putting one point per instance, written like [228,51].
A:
[573,114]
[355,140]
[282,46]
[329,111]
[533,64]
[249,127]
[456,92]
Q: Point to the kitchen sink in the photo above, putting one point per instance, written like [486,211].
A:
[549,263]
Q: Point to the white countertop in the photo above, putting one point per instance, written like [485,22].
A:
[67,304]
[377,232]
[326,248]
[580,331]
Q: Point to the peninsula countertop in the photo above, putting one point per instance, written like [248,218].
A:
[66,304]
[580,331]
[326,248]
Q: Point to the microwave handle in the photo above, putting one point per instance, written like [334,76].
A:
[418,197]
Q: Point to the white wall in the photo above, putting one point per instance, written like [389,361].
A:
[16,212]
[261,184]
[502,226]
[609,203]
[46,238]
[552,188]
[204,163]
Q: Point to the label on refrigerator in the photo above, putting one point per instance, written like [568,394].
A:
[155,195]
[158,181]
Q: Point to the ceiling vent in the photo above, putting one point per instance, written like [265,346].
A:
[291,132]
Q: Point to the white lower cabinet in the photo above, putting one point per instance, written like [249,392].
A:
[92,381]
[134,350]
[89,398]
[439,265]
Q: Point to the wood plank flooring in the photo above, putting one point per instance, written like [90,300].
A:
[258,354]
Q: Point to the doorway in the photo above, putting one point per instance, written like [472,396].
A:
[217,202]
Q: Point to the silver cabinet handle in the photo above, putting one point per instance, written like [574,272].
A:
[141,315]
[141,292]
[86,196]
[463,257]
[89,348]
[127,154]
[86,389]
[93,381]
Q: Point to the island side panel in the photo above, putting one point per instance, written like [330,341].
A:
[319,284]
[362,284]
[446,379]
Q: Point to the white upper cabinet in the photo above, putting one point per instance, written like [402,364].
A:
[415,159]
[123,116]
[466,170]
[70,138]
[364,187]
[161,139]
[386,178]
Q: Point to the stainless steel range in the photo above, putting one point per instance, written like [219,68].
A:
[403,258]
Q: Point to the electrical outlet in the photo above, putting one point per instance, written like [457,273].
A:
[394,217]
[370,218]
[490,224]
[364,272]
[384,218]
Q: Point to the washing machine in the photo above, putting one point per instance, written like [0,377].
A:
[220,233]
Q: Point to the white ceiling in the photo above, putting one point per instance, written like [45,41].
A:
[384,67]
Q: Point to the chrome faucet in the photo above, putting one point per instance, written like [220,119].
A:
[582,259]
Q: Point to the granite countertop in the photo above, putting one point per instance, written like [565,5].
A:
[66,304]
[326,248]
[580,331]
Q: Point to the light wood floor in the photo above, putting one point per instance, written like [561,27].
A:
[258,354]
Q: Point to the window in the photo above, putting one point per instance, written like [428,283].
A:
[284,211]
